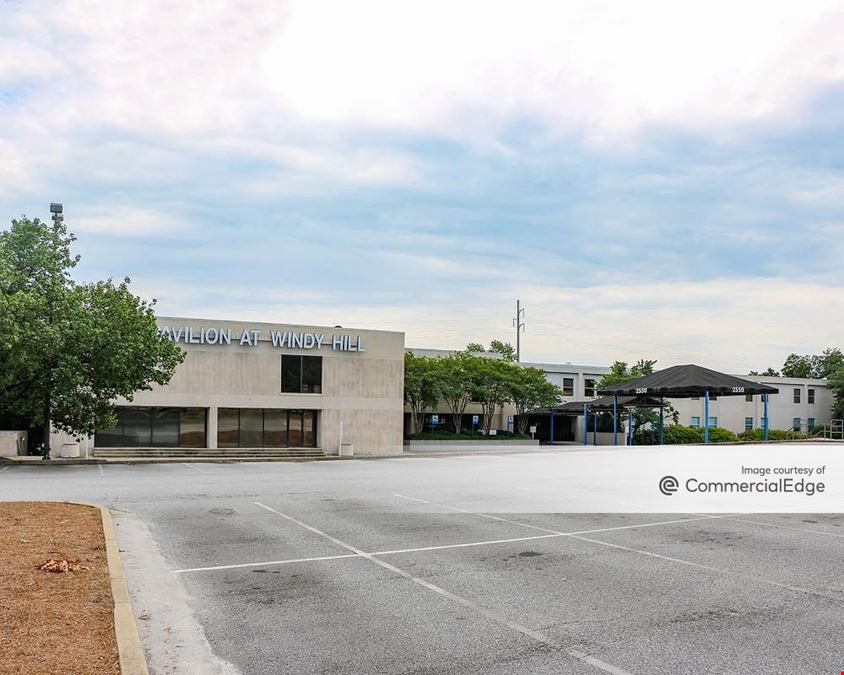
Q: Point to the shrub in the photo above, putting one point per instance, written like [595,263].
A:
[467,436]
[677,434]
[773,435]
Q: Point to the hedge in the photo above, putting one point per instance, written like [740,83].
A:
[773,435]
[467,436]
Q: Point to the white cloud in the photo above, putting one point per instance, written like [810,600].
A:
[600,68]
[126,221]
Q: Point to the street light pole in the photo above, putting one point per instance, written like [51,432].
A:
[520,326]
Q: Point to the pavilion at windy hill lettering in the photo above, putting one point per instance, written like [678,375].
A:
[250,337]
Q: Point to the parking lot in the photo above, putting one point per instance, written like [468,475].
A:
[445,565]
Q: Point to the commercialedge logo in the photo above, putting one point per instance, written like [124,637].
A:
[668,485]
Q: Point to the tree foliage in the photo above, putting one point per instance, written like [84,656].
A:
[619,372]
[68,350]
[421,387]
[530,390]
[496,347]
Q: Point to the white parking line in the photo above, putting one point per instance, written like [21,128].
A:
[5,467]
[460,600]
[555,532]
[784,527]
[578,535]
[265,563]
[100,467]
[195,468]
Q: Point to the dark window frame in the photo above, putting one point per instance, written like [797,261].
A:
[289,413]
[153,413]
[304,363]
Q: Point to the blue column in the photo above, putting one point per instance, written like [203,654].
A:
[765,418]
[552,426]
[706,416]
[585,424]
[630,415]
[595,431]
[661,420]
[615,419]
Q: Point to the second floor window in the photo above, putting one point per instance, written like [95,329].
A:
[301,374]
[589,388]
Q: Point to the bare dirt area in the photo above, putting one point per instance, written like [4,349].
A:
[56,609]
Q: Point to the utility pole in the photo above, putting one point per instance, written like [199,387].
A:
[519,324]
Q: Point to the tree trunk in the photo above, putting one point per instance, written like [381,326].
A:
[522,422]
[47,426]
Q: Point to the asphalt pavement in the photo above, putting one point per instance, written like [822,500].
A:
[435,565]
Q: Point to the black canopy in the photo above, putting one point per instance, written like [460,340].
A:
[604,404]
[687,381]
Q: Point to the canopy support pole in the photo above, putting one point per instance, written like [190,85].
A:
[585,424]
[661,421]
[615,419]
[765,418]
[595,431]
[630,414]
[706,416]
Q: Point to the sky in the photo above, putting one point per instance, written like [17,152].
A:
[656,179]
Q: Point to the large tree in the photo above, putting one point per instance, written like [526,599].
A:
[69,349]
[819,366]
[529,390]
[421,387]
[491,386]
[455,379]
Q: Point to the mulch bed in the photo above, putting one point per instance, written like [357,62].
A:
[58,621]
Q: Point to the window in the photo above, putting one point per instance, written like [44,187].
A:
[811,424]
[748,398]
[763,422]
[144,427]
[713,421]
[568,386]
[748,424]
[796,424]
[266,428]
[589,388]
[811,393]
[301,374]
[695,421]
[796,394]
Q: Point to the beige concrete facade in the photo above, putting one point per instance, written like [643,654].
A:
[361,389]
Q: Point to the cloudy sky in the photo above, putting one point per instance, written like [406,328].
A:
[652,179]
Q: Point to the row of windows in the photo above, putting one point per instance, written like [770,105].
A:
[589,387]
[810,394]
[266,428]
[713,422]
[142,427]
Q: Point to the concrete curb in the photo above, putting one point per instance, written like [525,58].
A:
[132,659]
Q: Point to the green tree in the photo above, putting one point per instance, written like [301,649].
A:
[818,366]
[770,372]
[503,349]
[836,386]
[421,387]
[529,390]
[71,349]
[619,372]
[797,366]
[491,386]
[455,378]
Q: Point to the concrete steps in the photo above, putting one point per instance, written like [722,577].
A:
[220,453]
